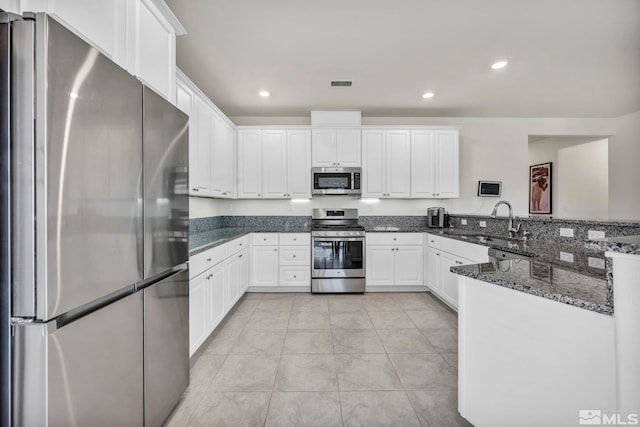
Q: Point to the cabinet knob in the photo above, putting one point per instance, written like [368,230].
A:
[294,255]
[265,239]
[276,250]
[208,259]
[431,241]
[338,164]
[395,238]
[240,256]
[438,254]
[295,238]
[295,277]
[437,194]
[258,195]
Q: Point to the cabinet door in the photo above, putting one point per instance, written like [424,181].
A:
[222,158]
[373,177]
[449,280]
[249,164]
[264,266]
[398,164]
[433,269]
[216,296]
[299,164]
[234,279]
[323,145]
[245,268]
[409,266]
[349,148]
[380,265]
[274,164]
[200,150]
[154,47]
[197,311]
[422,164]
[446,143]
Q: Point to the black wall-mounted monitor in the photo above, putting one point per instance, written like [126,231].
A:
[489,188]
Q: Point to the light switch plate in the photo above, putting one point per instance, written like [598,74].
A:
[596,262]
[596,234]
[566,256]
[566,232]
[482,224]
[463,221]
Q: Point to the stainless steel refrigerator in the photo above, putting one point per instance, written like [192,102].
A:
[94,223]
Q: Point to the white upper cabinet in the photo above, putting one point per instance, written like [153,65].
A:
[274,164]
[373,154]
[212,147]
[349,148]
[423,179]
[284,163]
[103,24]
[200,129]
[223,159]
[299,164]
[386,163]
[336,148]
[447,163]
[153,56]
[398,164]
[434,164]
[249,164]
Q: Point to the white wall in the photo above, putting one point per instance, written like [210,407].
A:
[545,149]
[624,168]
[490,149]
[583,180]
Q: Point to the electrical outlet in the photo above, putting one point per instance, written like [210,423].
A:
[482,224]
[566,256]
[596,262]
[463,221]
[566,232]
[596,234]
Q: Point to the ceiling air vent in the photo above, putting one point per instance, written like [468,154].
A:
[344,83]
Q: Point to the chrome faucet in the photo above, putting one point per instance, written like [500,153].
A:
[512,231]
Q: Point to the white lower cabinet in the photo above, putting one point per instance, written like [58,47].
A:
[218,278]
[264,266]
[444,253]
[394,259]
[280,260]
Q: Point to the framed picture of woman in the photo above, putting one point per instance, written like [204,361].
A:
[540,189]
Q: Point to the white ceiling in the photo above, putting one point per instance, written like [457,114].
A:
[567,58]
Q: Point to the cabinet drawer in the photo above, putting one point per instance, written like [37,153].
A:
[394,239]
[264,239]
[235,246]
[202,261]
[434,241]
[294,239]
[294,255]
[295,276]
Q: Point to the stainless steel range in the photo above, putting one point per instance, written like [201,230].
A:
[338,251]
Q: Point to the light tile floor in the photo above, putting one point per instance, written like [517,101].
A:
[382,359]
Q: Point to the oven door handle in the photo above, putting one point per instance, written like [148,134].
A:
[338,239]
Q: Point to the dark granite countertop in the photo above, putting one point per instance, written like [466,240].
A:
[544,280]
[579,283]
[626,244]
[200,242]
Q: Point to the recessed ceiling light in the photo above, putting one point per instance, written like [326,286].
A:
[427,95]
[499,64]
[264,93]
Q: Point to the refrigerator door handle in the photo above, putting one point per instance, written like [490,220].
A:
[180,268]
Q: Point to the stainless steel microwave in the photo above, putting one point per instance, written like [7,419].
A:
[336,181]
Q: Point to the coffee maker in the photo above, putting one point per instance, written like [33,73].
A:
[437,218]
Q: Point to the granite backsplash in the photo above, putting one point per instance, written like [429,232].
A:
[545,228]
[199,225]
